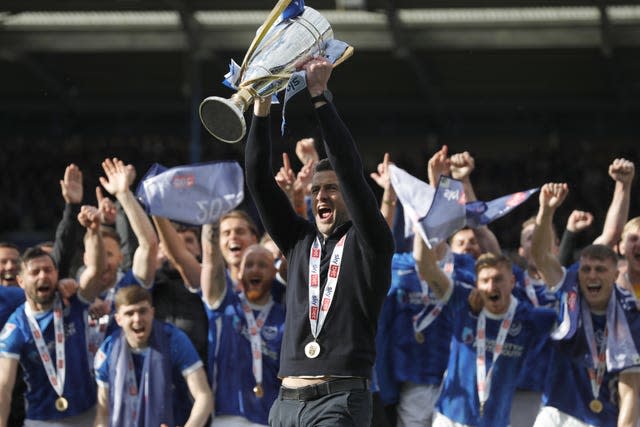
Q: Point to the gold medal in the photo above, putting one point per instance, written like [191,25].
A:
[419,337]
[258,390]
[61,404]
[596,406]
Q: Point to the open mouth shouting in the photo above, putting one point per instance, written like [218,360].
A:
[493,296]
[139,331]
[593,288]
[325,214]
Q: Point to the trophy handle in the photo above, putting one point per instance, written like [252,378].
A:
[262,31]
[224,118]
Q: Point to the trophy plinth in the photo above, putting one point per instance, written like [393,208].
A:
[224,118]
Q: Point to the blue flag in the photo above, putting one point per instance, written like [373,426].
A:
[295,8]
[192,194]
[482,213]
[447,212]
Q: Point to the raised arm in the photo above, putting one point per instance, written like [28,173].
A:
[68,231]
[213,278]
[202,398]
[286,180]
[439,164]
[577,222]
[177,253]
[622,172]
[276,213]
[551,197]
[462,164]
[389,198]
[428,269]
[119,178]
[343,156]
[90,283]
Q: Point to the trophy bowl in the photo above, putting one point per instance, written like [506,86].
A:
[266,71]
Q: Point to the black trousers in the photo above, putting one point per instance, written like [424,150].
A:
[348,408]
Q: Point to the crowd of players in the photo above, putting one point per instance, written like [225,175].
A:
[164,324]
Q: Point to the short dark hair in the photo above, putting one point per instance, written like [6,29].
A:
[9,245]
[491,260]
[323,165]
[599,252]
[133,294]
[36,252]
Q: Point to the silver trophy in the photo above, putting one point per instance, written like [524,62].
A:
[266,70]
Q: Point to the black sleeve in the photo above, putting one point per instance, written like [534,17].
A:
[128,239]
[566,248]
[67,240]
[276,212]
[358,196]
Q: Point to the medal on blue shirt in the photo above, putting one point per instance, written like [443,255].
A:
[429,317]
[56,376]
[596,374]
[318,312]
[483,377]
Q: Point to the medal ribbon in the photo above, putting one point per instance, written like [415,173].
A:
[483,377]
[431,315]
[596,374]
[56,378]
[318,312]
[254,326]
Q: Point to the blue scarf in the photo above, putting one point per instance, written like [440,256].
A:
[154,404]
[623,322]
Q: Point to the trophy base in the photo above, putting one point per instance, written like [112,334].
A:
[223,119]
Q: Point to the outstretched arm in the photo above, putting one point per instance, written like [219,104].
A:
[90,285]
[343,156]
[119,178]
[175,249]
[389,198]
[577,221]
[428,269]
[462,164]
[276,213]
[622,172]
[213,278]
[68,230]
[551,197]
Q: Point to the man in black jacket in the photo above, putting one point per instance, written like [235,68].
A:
[339,270]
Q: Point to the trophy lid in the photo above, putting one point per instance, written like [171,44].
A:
[223,119]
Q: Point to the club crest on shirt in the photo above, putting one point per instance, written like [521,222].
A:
[7,330]
[515,329]
[269,333]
